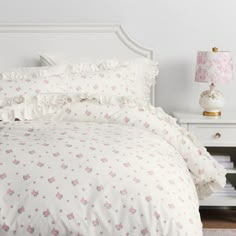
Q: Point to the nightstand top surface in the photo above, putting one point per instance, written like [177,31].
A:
[197,117]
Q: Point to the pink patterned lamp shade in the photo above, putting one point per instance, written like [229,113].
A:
[215,66]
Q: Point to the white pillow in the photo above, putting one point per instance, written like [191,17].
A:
[130,79]
[111,78]
[20,82]
[136,76]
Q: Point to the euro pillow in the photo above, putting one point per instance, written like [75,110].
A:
[130,79]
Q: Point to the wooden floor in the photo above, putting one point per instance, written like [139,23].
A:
[221,219]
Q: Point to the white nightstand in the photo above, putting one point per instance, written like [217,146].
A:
[218,135]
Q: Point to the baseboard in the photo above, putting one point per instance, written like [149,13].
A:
[219,232]
[218,219]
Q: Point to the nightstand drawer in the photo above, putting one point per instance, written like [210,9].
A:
[214,134]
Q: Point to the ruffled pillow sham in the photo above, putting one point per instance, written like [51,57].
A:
[132,79]
[109,80]
[21,82]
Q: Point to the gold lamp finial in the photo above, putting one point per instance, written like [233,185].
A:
[214,49]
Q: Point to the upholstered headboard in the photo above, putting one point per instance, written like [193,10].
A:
[21,44]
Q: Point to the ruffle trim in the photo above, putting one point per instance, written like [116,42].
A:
[111,64]
[206,189]
[55,99]
[23,73]
[22,112]
[32,107]
[142,69]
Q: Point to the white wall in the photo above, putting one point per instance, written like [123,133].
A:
[175,29]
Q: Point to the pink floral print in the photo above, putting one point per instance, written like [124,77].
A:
[88,176]
[214,67]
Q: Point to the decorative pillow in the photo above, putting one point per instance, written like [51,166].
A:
[129,79]
[109,80]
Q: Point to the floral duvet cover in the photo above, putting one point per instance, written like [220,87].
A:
[103,170]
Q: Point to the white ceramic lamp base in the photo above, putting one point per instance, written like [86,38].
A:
[212,101]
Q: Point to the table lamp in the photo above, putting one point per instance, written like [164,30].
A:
[212,67]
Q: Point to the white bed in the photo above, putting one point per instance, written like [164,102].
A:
[86,164]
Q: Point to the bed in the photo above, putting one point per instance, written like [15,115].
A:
[83,149]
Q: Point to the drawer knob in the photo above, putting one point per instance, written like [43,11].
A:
[217,135]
